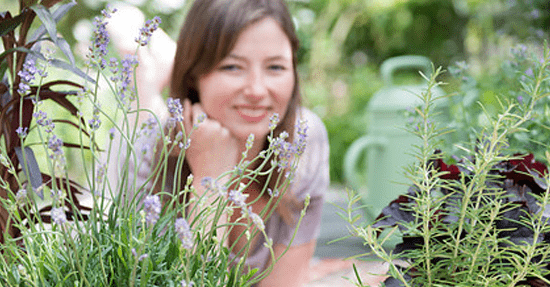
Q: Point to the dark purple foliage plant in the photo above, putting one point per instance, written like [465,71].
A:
[479,221]
[24,84]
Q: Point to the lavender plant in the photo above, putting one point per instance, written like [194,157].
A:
[480,222]
[104,232]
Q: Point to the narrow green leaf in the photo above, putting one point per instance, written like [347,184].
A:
[56,15]
[60,42]
[66,66]
[47,20]
[66,49]
[357,275]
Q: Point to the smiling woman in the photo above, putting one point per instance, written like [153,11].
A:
[235,62]
[253,82]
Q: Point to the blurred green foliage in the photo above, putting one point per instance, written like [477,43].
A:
[345,41]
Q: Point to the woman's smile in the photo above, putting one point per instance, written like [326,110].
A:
[252,114]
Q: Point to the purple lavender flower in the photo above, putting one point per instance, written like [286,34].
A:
[113,65]
[23,88]
[22,132]
[149,128]
[273,121]
[273,193]
[249,141]
[95,122]
[101,39]
[257,220]
[184,283]
[108,11]
[238,198]
[176,112]
[126,91]
[27,76]
[283,149]
[208,183]
[58,216]
[42,120]
[184,233]
[211,184]
[520,99]
[28,71]
[535,14]
[300,141]
[55,144]
[187,144]
[151,206]
[100,173]
[147,30]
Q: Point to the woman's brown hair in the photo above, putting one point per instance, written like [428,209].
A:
[209,33]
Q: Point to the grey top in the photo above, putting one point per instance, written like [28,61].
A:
[312,177]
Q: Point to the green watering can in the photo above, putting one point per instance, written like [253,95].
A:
[387,147]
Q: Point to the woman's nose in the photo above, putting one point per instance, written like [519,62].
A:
[256,85]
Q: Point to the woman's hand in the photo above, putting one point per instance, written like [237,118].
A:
[213,149]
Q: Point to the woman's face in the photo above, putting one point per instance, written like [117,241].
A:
[254,81]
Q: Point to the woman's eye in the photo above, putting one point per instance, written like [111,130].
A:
[277,67]
[229,67]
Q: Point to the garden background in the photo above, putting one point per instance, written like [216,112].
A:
[344,42]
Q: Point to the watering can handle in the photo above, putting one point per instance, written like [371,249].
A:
[390,65]
[353,154]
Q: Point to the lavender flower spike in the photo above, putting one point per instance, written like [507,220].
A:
[147,30]
[184,233]
[151,206]
[176,111]
[27,76]
[257,220]
[238,198]
[58,216]
[300,141]
[22,132]
[273,121]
